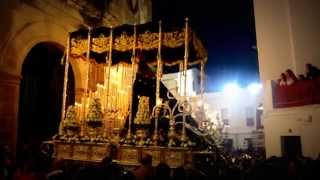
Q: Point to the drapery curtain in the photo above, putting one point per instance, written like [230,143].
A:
[304,92]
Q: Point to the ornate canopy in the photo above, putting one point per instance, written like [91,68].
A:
[147,41]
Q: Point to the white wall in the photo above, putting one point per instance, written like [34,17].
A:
[301,121]
[275,51]
[288,36]
[305,16]
[236,105]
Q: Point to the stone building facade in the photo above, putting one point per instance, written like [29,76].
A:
[26,23]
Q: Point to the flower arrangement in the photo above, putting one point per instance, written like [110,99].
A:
[70,125]
[125,141]
[95,115]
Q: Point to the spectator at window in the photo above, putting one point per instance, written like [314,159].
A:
[291,77]
[302,77]
[312,71]
[283,80]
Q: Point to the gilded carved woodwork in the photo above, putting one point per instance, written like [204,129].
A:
[63,151]
[81,151]
[174,158]
[126,155]
[156,155]
[99,152]
[129,156]
[145,41]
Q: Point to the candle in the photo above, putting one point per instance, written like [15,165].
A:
[80,112]
[104,97]
[77,110]
[87,106]
[82,109]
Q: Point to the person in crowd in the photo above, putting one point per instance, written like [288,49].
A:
[292,170]
[312,72]
[56,172]
[162,171]
[291,77]
[145,171]
[179,174]
[127,175]
[6,162]
[44,158]
[195,174]
[27,171]
[301,77]
[87,173]
[109,170]
[2,164]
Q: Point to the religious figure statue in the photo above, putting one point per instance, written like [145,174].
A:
[143,113]
[70,125]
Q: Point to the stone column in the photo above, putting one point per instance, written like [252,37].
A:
[9,103]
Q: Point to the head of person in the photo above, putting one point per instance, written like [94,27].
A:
[290,74]
[163,171]
[308,67]
[146,160]
[283,77]
[106,161]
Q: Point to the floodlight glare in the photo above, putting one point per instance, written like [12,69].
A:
[199,103]
[254,88]
[231,89]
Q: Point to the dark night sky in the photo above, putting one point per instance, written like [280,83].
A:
[227,29]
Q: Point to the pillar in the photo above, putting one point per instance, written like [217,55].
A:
[9,103]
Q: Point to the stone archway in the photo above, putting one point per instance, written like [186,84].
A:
[11,62]
[41,90]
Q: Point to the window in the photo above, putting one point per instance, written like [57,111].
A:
[250,116]
[258,119]
[224,116]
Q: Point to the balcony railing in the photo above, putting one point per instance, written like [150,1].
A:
[300,93]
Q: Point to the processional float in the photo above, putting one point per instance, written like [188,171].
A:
[114,111]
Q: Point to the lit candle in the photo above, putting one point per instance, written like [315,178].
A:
[77,109]
[104,97]
[80,112]
[87,106]
[82,109]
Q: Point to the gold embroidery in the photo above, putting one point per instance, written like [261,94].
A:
[124,42]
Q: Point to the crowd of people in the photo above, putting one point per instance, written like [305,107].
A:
[288,77]
[241,165]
